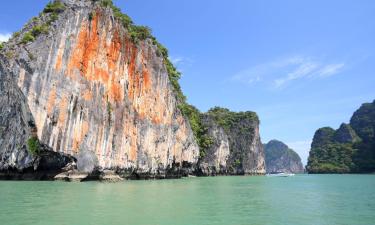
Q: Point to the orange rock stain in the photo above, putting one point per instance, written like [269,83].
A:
[51,101]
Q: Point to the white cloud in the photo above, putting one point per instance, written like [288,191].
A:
[176,60]
[281,72]
[5,36]
[179,60]
[302,148]
[330,70]
[304,69]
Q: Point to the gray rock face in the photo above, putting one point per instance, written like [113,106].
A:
[236,148]
[87,162]
[280,158]
[214,161]
[16,124]
[86,82]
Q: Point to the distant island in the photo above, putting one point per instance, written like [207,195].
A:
[280,158]
[349,149]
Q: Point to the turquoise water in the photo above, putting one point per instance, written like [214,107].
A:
[303,199]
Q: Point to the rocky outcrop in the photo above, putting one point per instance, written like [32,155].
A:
[280,158]
[236,148]
[213,160]
[84,83]
[88,83]
[349,149]
[16,124]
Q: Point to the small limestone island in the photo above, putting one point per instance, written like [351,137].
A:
[280,158]
[349,149]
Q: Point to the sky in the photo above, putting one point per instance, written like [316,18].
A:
[300,65]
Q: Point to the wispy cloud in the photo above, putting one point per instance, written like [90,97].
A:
[331,69]
[180,60]
[5,36]
[281,72]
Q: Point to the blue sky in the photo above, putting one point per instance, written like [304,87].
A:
[300,65]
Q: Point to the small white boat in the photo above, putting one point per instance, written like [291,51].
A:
[280,174]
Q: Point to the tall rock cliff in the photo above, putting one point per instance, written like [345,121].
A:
[92,81]
[351,148]
[82,78]
[280,158]
[235,143]
[16,124]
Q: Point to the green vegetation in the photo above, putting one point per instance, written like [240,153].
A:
[331,158]
[1,45]
[33,146]
[136,32]
[200,132]
[9,54]
[39,29]
[346,150]
[54,7]
[363,122]
[91,15]
[228,119]
[16,34]
[109,111]
[28,37]
[34,32]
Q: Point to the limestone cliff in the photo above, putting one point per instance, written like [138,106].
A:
[83,80]
[20,150]
[236,148]
[16,124]
[280,158]
[89,82]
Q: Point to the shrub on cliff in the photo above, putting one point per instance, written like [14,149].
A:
[39,29]
[33,146]
[28,37]
[200,132]
[227,119]
[54,7]
[1,45]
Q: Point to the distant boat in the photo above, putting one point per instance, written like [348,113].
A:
[280,174]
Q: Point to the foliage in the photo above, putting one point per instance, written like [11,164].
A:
[200,131]
[1,45]
[39,29]
[33,146]
[9,54]
[335,157]
[54,7]
[228,119]
[363,122]
[16,34]
[109,111]
[139,33]
[329,154]
[28,37]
